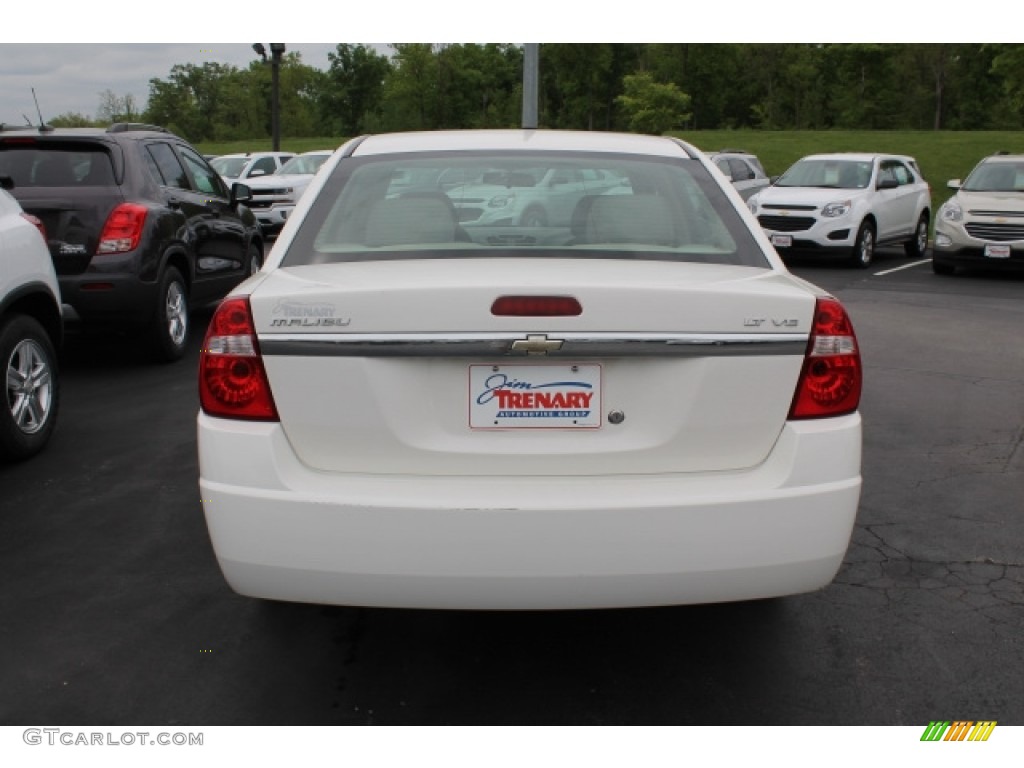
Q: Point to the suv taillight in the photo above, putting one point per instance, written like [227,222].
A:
[232,381]
[830,382]
[123,229]
[37,223]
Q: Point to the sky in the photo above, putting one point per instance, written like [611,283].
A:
[70,77]
[69,74]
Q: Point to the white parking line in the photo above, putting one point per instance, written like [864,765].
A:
[905,266]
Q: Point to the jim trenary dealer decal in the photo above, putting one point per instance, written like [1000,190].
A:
[530,396]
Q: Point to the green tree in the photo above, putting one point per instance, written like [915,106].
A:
[580,83]
[73,120]
[410,90]
[218,102]
[868,87]
[712,74]
[479,86]
[1008,66]
[652,107]
[353,89]
[117,109]
[189,101]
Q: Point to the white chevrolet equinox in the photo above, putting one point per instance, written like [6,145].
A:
[848,204]
[635,406]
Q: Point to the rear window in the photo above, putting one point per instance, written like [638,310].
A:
[34,165]
[558,205]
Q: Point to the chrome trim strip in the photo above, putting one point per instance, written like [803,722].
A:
[491,345]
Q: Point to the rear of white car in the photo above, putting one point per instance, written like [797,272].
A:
[640,407]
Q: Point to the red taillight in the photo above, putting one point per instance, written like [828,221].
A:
[37,223]
[232,381]
[536,306]
[830,381]
[123,229]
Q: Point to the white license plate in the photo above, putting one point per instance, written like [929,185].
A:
[782,241]
[997,251]
[540,396]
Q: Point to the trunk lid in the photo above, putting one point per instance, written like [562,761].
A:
[379,367]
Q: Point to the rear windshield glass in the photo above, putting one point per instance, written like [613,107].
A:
[547,204]
[66,166]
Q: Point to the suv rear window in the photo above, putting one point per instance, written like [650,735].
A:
[549,204]
[35,165]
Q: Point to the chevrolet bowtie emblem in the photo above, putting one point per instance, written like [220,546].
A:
[538,344]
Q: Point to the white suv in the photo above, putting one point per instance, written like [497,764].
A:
[30,332]
[847,203]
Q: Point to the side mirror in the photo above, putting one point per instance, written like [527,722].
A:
[887,184]
[240,193]
[257,172]
[6,182]
[953,184]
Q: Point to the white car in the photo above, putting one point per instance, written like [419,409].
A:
[274,197]
[31,329]
[249,166]
[847,203]
[531,197]
[640,407]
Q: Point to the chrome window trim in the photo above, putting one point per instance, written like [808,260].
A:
[574,345]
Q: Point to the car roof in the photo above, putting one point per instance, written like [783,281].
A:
[257,154]
[541,140]
[1003,157]
[111,133]
[863,156]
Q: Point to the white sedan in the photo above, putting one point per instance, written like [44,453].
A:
[638,407]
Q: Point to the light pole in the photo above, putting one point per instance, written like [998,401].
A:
[531,78]
[276,52]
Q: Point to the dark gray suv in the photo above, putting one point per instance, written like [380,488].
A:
[139,226]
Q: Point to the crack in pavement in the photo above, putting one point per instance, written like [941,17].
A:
[978,585]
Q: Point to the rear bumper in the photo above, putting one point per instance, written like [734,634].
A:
[282,531]
[109,298]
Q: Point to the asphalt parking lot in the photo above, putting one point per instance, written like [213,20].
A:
[115,611]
